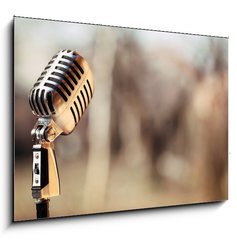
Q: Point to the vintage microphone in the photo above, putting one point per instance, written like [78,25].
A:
[58,98]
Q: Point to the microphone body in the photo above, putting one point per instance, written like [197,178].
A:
[63,90]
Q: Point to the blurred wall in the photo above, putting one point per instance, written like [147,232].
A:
[155,133]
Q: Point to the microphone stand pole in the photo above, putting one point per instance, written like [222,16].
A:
[42,208]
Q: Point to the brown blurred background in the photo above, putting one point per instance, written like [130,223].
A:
[155,133]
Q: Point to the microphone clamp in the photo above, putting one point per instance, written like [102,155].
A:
[45,130]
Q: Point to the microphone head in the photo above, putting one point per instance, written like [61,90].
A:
[63,90]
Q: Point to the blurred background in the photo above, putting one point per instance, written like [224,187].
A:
[155,133]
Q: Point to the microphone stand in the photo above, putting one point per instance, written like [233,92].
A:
[45,179]
[42,208]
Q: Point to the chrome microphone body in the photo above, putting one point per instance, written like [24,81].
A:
[59,98]
[63,91]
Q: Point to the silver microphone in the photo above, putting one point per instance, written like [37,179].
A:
[59,98]
[63,90]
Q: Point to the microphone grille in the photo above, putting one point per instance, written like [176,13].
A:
[66,82]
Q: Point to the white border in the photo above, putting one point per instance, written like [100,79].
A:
[214,221]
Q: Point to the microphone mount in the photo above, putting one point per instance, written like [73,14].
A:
[45,180]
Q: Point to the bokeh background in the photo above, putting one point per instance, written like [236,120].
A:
[155,133]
